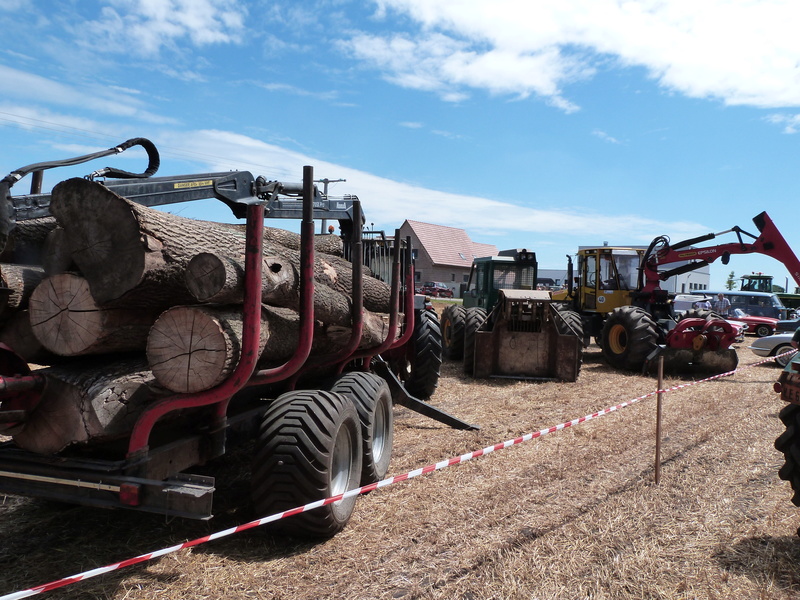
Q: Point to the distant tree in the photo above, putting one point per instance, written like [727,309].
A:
[778,289]
[731,282]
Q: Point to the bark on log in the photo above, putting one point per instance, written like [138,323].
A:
[220,280]
[105,231]
[21,280]
[88,402]
[213,277]
[24,245]
[194,348]
[56,254]
[67,321]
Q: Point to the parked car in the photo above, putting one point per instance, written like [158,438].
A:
[787,325]
[760,326]
[772,345]
[436,289]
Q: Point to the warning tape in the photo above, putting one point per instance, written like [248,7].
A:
[361,490]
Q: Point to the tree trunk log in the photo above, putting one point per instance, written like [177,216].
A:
[56,254]
[220,280]
[21,280]
[194,348]
[106,232]
[88,402]
[67,321]
[24,245]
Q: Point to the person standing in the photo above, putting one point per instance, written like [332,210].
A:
[722,305]
[703,304]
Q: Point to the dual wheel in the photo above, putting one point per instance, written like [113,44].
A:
[459,326]
[316,444]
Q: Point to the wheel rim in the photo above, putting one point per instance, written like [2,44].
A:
[763,331]
[341,461]
[379,434]
[784,360]
[617,339]
[446,333]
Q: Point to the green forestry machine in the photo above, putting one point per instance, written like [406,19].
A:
[507,328]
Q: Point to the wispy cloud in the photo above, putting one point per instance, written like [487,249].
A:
[605,137]
[33,88]
[296,91]
[790,123]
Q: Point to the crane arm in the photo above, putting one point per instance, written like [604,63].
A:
[770,242]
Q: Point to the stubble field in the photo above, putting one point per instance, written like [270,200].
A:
[572,515]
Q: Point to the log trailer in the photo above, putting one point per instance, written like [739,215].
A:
[321,424]
[506,328]
[619,297]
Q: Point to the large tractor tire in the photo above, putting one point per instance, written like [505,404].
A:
[308,448]
[419,364]
[452,322]
[629,336]
[473,319]
[373,401]
[572,324]
[789,443]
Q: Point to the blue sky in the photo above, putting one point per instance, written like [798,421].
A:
[545,124]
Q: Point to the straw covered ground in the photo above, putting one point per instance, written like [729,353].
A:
[571,515]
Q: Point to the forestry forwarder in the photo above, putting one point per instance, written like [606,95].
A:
[506,328]
[631,317]
[321,424]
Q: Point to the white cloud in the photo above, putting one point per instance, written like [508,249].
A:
[742,52]
[146,26]
[389,203]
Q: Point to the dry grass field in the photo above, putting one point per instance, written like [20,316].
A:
[572,515]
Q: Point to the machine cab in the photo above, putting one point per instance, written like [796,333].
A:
[607,276]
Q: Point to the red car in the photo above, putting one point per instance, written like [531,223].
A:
[436,289]
[759,326]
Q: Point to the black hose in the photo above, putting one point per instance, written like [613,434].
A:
[152,166]
[153,161]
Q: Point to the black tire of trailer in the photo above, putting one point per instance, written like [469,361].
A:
[629,336]
[373,401]
[452,323]
[473,319]
[308,448]
[789,444]
[420,367]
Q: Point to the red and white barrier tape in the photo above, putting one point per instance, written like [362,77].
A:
[355,492]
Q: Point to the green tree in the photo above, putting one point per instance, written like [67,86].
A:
[731,282]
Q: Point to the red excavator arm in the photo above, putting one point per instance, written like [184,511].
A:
[661,252]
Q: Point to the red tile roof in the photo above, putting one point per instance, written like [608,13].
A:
[449,245]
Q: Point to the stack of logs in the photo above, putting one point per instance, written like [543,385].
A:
[127,304]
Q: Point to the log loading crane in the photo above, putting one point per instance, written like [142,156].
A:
[631,317]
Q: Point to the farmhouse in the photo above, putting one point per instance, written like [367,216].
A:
[443,253]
